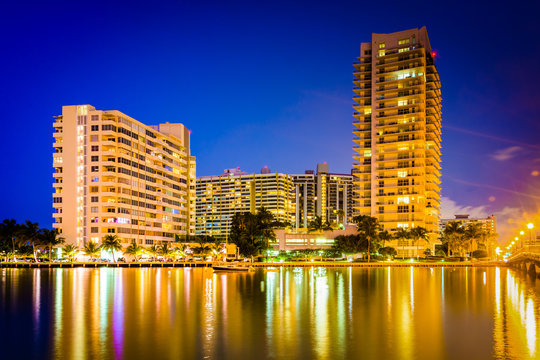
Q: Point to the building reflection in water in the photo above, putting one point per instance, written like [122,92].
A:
[403,313]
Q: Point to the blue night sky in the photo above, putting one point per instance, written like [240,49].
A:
[270,84]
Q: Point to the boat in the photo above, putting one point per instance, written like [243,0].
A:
[230,268]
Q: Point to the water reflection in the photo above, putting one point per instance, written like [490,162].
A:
[390,313]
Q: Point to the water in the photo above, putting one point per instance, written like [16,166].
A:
[327,313]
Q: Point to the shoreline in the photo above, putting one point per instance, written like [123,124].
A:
[203,264]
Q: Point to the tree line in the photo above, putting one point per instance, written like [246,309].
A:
[27,239]
[458,239]
[371,238]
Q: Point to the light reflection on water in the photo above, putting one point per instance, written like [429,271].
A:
[390,313]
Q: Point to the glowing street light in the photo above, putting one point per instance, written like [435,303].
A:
[530,226]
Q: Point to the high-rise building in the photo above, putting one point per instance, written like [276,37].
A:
[397,131]
[113,175]
[324,194]
[220,197]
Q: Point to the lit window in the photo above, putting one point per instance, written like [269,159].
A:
[402,225]
[382,52]
[403,41]
[403,200]
[382,45]
[367,153]
[402,173]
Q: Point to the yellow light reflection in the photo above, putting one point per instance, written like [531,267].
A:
[530,325]
[321,316]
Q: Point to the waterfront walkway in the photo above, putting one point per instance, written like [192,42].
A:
[197,264]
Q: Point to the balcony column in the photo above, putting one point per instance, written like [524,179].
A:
[305,205]
[297,206]
[345,204]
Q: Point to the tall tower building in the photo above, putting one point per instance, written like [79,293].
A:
[114,175]
[397,131]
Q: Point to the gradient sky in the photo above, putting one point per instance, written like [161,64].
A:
[270,83]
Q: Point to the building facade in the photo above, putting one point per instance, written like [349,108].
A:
[298,239]
[397,131]
[220,197]
[324,194]
[295,198]
[114,175]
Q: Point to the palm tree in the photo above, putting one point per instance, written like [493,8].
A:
[134,250]
[369,227]
[402,234]
[216,248]
[167,251]
[317,224]
[153,251]
[70,251]
[29,232]
[474,234]
[8,231]
[111,243]
[92,249]
[419,233]
[385,236]
[455,234]
[50,239]
[181,251]
[266,223]
[203,248]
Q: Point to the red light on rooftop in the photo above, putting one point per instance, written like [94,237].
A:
[434,54]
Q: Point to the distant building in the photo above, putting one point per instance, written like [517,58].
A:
[220,197]
[489,223]
[114,175]
[324,194]
[295,198]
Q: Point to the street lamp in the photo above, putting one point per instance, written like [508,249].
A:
[530,226]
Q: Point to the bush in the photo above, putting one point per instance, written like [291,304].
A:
[440,253]
[388,251]
[479,254]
